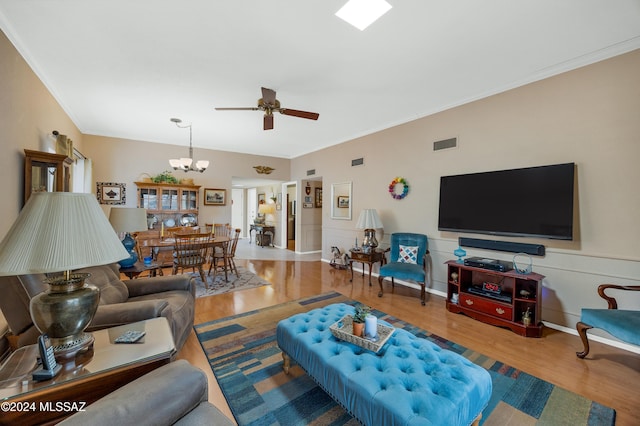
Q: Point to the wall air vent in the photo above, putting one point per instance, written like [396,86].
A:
[445,144]
[357,162]
[311,172]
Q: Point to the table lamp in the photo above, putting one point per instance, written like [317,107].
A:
[265,209]
[127,220]
[369,221]
[55,233]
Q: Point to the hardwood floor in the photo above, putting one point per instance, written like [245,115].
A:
[609,375]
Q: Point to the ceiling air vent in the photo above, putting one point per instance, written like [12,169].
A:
[357,162]
[311,172]
[445,144]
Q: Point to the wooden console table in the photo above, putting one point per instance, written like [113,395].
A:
[374,256]
[263,232]
[85,379]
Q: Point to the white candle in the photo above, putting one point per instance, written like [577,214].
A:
[370,326]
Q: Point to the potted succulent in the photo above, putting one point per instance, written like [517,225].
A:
[358,319]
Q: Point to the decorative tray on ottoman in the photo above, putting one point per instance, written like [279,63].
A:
[343,330]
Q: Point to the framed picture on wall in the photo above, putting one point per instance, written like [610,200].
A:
[343,202]
[215,197]
[318,197]
[111,193]
[262,199]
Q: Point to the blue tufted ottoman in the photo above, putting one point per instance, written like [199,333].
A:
[410,381]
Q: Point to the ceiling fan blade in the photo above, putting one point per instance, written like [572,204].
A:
[301,114]
[238,109]
[268,121]
[268,96]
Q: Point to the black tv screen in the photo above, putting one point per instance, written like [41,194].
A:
[528,202]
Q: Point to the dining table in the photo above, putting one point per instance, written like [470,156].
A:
[156,245]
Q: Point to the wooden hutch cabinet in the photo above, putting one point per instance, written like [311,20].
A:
[46,172]
[506,299]
[169,203]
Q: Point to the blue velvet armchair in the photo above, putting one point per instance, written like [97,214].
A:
[623,324]
[407,261]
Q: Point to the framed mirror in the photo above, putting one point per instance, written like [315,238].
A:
[341,201]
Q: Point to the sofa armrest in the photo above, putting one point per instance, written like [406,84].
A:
[160,397]
[151,285]
[127,312]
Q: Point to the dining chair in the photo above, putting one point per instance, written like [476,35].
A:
[222,230]
[164,259]
[226,257]
[190,251]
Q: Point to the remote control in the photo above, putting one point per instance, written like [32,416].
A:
[130,336]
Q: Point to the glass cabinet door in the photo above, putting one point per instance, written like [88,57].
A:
[148,198]
[189,200]
[169,199]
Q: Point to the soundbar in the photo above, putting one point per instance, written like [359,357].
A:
[533,249]
[490,264]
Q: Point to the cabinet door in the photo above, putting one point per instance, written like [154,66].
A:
[170,199]
[189,200]
[148,198]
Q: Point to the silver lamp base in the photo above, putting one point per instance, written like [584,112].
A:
[369,239]
[64,311]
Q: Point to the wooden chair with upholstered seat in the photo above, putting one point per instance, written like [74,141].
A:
[190,252]
[408,261]
[620,323]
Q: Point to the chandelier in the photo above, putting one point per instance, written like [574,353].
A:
[186,164]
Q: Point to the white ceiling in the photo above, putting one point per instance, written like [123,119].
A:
[122,68]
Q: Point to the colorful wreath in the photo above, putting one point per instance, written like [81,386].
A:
[392,188]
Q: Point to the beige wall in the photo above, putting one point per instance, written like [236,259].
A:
[590,116]
[127,161]
[28,115]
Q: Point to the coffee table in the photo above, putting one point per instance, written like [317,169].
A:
[86,378]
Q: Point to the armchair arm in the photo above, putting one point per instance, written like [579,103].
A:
[162,396]
[613,304]
[151,285]
[127,312]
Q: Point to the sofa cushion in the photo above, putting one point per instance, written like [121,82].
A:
[107,279]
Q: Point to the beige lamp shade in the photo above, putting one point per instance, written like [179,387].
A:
[128,219]
[266,208]
[59,231]
[369,219]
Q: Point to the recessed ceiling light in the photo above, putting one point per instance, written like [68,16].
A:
[362,13]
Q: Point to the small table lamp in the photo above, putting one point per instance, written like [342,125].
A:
[266,209]
[55,233]
[369,221]
[126,220]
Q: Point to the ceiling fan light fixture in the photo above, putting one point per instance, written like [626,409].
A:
[186,163]
[362,13]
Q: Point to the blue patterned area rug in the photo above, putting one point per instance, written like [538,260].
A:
[247,363]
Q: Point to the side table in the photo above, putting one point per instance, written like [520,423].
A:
[140,267]
[85,379]
[374,256]
[264,233]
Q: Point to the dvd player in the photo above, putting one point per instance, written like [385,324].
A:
[491,264]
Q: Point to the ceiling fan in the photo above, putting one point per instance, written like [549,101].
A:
[268,103]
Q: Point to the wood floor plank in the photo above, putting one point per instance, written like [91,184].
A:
[609,375]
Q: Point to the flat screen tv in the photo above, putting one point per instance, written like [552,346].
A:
[527,202]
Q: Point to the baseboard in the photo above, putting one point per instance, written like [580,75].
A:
[561,328]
